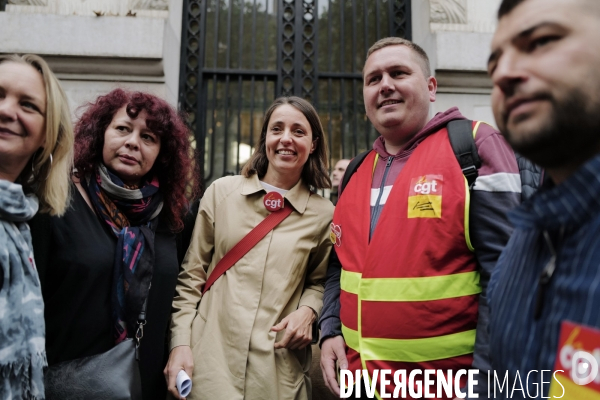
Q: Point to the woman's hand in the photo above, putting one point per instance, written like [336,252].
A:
[298,329]
[180,359]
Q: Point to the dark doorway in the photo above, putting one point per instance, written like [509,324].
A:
[238,56]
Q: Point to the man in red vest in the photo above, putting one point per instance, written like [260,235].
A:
[413,246]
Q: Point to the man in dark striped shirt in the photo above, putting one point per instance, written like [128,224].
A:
[545,67]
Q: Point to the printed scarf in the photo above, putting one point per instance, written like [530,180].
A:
[131,215]
[22,328]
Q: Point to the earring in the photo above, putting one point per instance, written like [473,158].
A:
[33,164]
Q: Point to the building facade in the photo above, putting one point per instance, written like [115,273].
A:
[222,62]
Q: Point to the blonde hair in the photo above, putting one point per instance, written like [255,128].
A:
[50,180]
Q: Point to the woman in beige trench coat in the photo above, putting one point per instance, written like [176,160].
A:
[249,336]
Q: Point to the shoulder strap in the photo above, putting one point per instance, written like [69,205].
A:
[460,133]
[247,243]
[463,145]
[141,322]
[351,169]
[42,240]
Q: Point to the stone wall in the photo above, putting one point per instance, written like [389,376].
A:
[140,8]
[457,35]
[97,45]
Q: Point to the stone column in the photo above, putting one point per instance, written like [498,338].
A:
[457,37]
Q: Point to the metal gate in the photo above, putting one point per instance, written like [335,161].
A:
[237,56]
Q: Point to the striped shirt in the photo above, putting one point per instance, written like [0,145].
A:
[520,343]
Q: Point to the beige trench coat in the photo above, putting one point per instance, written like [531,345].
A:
[229,330]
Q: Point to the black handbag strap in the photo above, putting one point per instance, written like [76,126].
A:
[139,333]
[142,316]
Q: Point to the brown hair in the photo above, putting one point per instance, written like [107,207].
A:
[395,41]
[315,171]
[51,180]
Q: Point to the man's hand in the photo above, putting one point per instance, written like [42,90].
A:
[180,359]
[332,349]
[298,329]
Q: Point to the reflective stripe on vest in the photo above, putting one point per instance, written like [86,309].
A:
[410,350]
[411,289]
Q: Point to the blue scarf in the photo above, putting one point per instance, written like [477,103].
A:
[22,328]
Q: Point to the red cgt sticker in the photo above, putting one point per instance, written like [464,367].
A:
[273,201]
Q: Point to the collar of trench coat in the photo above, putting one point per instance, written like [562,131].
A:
[297,196]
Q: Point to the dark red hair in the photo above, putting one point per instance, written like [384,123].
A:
[175,165]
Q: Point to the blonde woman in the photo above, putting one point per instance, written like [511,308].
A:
[36,151]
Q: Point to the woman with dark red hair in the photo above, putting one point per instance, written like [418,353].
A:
[114,250]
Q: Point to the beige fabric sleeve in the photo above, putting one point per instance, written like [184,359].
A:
[193,272]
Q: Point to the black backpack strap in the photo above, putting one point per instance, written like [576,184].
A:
[352,167]
[460,133]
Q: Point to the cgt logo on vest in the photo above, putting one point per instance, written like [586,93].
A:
[336,234]
[425,196]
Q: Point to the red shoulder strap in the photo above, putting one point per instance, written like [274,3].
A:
[248,242]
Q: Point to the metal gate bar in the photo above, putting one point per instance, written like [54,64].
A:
[316,53]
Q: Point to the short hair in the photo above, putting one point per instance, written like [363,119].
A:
[395,41]
[175,167]
[49,178]
[315,171]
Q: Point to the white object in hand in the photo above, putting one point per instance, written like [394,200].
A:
[184,384]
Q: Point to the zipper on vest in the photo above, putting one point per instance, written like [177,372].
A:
[376,211]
